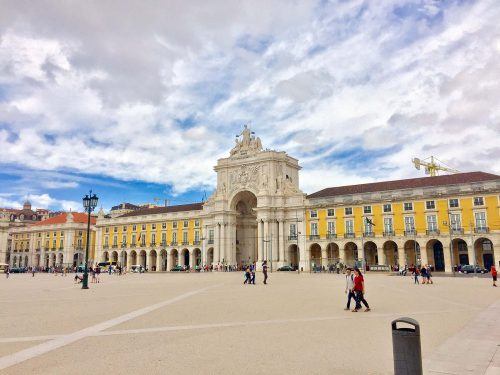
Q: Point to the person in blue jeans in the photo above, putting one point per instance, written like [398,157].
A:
[349,288]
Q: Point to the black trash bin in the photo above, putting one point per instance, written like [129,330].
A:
[406,347]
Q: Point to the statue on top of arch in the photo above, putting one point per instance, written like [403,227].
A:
[248,144]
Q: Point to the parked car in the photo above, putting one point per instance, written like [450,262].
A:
[469,268]
[17,270]
[286,268]
[177,269]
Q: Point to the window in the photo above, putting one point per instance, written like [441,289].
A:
[388,228]
[197,223]
[54,244]
[61,244]
[293,230]
[330,212]
[163,225]
[455,221]
[106,230]
[143,227]
[174,237]
[453,203]
[349,226]
[133,239]
[430,205]
[115,241]
[186,223]
[197,235]
[163,238]
[478,201]
[184,237]
[408,206]
[40,235]
[367,209]
[134,227]
[106,241]
[211,235]
[387,207]
[368,226]
[153,238]
[314,229]
[124,228]
[142,237]
[115,229]
[174,224]
[124,239]
[79,243]
[153,226]
[432,223]
[480,220]
[313,213]
[409,223]
[331,227]
[55,233]
[348,211]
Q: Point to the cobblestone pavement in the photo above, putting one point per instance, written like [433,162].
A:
[210,323]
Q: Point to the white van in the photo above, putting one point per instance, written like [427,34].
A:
[136,268]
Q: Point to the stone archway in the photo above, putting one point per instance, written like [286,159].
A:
[244,204]
[391,253]
[294,255]
[460,252]
[412,252]
[185,258]
[142,258]
[332,253]
[210,256]
[163,259]
[197,257]
[371,256]
[114,257]
[133,258]
[484,252]
[174,258]
[152,260]
[123,258]
[315,256]
[351,253]
[435,254]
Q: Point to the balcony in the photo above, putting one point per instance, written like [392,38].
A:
[331,236]
[105,247]
[196,242]
[431,232]
[211,241]
[185,242]
[115,246]
[368,234]
[389,233]
[133,245]
[53,248]
[481,230]
[60,248]
[313,237]
[124,244]
[38,249]
[292,237]
[163,243]
[349,235]
[411,232]
[457,230]
[153,244]
[143,244]
[46,248]
[173,243]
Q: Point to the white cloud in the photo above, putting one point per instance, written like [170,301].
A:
[156,93]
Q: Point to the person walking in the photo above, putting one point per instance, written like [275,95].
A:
[247,276]
[494,275]
[415,275]
[429,275]
[349,288]
[252,274]
[7,272]
[423,272]
[359,291]
[264,271]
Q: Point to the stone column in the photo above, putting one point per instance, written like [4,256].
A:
[223,242]
[401,256]
[496,253]
[260,236]
[266,238]
[342,257]
[69,247]
[191,259]
[447,256]
[275,241]
[471,252]
[216,243]
[423,255]
[382,259]
[324,257]
[281,239]
[158,262]
[204,236]
[361,253]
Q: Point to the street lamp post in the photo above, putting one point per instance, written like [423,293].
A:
[89,204]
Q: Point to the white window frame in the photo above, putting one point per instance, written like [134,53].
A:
[434,227]
[433,204]
[478,205]
[349,226]
[389,205]
[348,208]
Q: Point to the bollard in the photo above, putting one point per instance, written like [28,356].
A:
[406,348]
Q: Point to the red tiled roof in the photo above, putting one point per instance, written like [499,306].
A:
[411,183]
[162,210]
[78,217]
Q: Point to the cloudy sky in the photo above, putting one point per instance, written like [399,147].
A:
[138,99]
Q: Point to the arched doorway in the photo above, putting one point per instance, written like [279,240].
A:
[123,258]
[174,258]
[484,253]
[47,260]
[152,260]
[435,254]
[114,257]
[60,259]
[371,256]
[105,257]
[163,260]
[391,253]
[332,253]
[351,253]
[197,257]
[315,256]
[133,258]
[37,260]
[412,252]
[142,258]
[210,256]
[294,256]
[460,252]
[185,258]
[243,204]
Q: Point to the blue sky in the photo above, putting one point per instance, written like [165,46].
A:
[139,101]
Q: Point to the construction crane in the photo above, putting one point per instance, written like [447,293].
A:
[432,167]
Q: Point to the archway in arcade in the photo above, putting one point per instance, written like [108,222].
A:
[114,257]
[460,252]
[390,249]
[244,204]
[351,253]
[105,257]
[315,256]
[210,256]
[332,253]
[123,258]
[47,260]
[484,252]
[163,260]
[293,255]
[412,253]
[37,260]
[133,258]
[174,258]
[60,259]
[371,256]
[152,260]
[26,261]
[185,258]
[142,258]
[197,257]
[435,254]
[52,260]
[14,261]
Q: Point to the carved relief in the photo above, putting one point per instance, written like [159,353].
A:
[248,145]
[244,177]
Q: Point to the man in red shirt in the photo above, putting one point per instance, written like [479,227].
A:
[359,291]
[494,275]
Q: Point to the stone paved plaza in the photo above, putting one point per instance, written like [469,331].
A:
[210,323]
